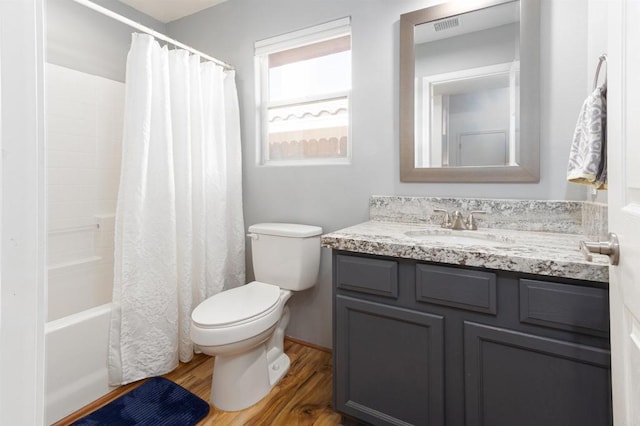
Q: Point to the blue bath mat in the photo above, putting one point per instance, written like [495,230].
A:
[156,402]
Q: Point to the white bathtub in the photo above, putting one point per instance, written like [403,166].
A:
[76,361]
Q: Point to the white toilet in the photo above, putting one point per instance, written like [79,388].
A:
[244,327]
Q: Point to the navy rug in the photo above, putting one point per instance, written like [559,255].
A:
[156,402]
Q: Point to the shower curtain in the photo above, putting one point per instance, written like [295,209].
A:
[179,235]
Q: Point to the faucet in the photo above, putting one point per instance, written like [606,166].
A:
[457,221]
[471,220]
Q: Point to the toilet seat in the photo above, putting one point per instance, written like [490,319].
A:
[250,310]
[237,306]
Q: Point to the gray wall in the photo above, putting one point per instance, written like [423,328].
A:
[337,196]
[84,40]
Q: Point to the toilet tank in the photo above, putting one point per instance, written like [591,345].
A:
[286,254]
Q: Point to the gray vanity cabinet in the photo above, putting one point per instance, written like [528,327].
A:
[425,344]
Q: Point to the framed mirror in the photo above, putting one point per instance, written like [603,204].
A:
[469,92]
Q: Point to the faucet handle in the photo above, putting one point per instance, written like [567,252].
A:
[471,221]
[445,221]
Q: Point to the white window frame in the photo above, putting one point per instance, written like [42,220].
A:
[263,49]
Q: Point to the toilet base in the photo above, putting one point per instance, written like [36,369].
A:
[241,380]
[278,368]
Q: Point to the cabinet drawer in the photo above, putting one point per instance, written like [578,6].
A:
[458,288]
[565,306]
[373,276]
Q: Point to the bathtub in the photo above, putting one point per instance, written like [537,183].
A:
[76,361]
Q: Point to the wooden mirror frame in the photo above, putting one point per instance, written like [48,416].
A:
[528,167]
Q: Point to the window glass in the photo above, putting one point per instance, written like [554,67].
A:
[304,100]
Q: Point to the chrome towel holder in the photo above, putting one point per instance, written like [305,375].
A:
[602,59]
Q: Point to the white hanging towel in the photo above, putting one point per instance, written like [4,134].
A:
[588,156]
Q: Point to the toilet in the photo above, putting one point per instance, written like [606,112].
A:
[244,327]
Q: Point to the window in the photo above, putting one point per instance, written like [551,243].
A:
[303,82]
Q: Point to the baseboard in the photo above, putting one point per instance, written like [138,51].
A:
[310,345]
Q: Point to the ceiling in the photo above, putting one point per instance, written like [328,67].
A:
[170,10]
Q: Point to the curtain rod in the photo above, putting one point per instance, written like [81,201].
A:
[150,31]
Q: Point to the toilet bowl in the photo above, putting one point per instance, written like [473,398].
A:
[244,327]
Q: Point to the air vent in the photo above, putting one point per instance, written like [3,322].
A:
[446,24]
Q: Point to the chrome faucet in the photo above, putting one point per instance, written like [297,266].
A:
[446,222]
[457,221]
[471,220]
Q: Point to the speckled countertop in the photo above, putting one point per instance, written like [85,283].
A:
[541,253]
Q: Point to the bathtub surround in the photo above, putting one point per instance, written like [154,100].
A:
[84,133]
[179,235]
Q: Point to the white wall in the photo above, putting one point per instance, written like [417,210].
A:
[337,196]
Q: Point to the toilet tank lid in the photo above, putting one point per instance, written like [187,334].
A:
[286,230]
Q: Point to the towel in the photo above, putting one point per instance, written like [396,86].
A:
[588,156]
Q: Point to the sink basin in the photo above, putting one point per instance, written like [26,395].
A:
[459,238]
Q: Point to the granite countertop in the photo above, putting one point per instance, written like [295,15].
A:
[541,253]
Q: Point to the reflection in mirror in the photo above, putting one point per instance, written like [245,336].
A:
[467,86]
[461,84]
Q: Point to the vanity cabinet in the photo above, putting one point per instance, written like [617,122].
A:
[418,343]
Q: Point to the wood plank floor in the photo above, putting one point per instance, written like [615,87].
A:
[302,397]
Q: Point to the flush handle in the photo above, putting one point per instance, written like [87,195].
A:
[611,248]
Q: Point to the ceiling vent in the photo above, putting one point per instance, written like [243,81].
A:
[446,24]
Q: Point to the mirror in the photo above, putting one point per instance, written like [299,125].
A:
[469,92]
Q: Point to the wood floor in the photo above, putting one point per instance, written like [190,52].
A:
[302,397]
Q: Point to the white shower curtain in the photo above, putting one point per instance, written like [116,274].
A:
[179,234]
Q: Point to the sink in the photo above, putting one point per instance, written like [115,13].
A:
[460,238]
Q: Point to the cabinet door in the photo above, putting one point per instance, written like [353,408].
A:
[388,364]
[514,378]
